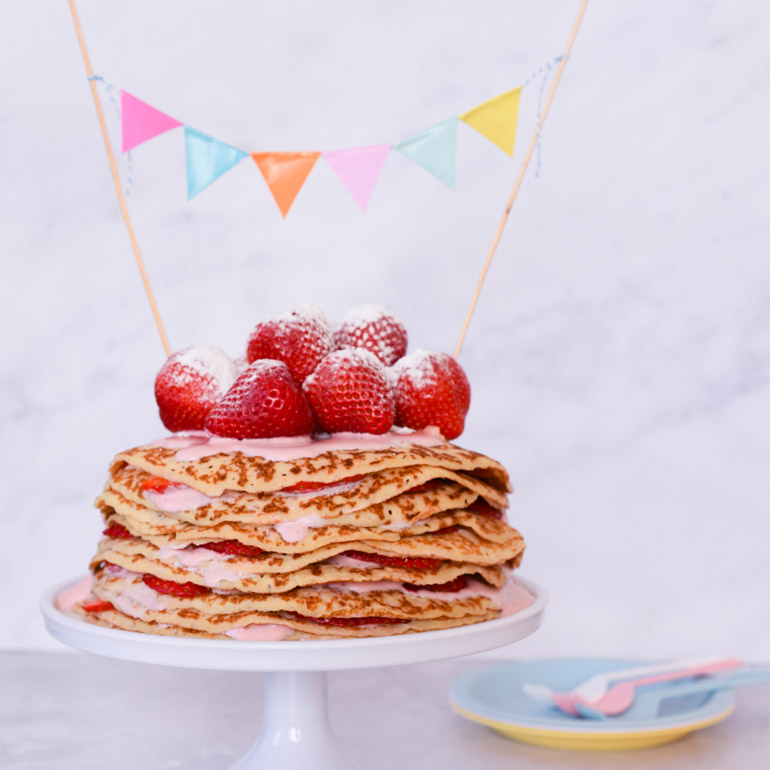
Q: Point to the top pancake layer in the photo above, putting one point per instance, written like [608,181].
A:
[217,473]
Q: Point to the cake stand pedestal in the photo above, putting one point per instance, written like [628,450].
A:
[295,732]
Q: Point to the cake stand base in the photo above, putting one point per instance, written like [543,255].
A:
[296,734]
[295,731]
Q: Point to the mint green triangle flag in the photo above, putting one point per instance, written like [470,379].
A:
[434,149]
[207,160]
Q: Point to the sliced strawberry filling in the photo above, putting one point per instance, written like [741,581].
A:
[447,530]
[157,484]
[232,548]
[479,505]
[426,486]
[349,621]
[312,486]
[173,588]
[117,531]
[410,562]
[97,605]
[451,587]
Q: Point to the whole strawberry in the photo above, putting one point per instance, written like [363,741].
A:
[299,338]
[264,402]
[431,389]
[350,392]
[372,328]
[190,383]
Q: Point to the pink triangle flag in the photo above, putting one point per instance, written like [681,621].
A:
[359,169]
[140,122]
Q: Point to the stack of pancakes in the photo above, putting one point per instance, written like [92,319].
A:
[343,543]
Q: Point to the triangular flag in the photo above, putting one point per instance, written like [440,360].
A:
[497,119]
[435,150]
[358,169]
[285,173]
[207,159]
[140,122]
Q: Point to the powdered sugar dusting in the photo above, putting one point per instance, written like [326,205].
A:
[300,338]
[366,314]
[208,360]
[355,356]
[309,313]
[420,367]
[373,328]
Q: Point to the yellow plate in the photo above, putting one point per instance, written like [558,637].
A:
[595,741]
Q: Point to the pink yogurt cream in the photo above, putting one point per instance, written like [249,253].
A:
[261,632]
[294,531]
[194,446]
[179,497]
[65,600]
[213,567]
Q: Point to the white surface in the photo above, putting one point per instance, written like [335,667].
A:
[620,356]
[329,655]
[81,712]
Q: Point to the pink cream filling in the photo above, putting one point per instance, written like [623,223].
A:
[294,531]
[212,566]
[261,632]
[194,446]
[180,497]
[65,600]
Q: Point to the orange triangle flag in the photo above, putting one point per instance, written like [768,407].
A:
[285,173]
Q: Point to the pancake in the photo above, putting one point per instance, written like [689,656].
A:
[369,500]
[286,571]
[165,530]
[386,600]
[300,629]
[217,473]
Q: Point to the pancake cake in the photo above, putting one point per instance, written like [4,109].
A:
[313,495]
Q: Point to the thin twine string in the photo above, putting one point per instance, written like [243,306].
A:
[545,71]
[111,89]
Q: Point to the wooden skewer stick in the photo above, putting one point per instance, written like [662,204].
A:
[116,179]
[520,177]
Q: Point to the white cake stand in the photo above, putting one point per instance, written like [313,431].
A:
[295,732]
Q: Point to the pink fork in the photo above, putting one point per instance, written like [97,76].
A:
[619,697]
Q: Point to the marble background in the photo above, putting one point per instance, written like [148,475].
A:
[620,355]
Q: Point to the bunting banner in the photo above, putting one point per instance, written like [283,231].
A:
[285,173]
[207,159]
[359,169]
[497,119]
[433,149]
[140,122]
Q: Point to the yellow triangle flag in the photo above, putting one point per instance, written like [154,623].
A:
[497,119]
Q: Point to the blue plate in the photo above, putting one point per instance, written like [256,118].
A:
[493,696]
